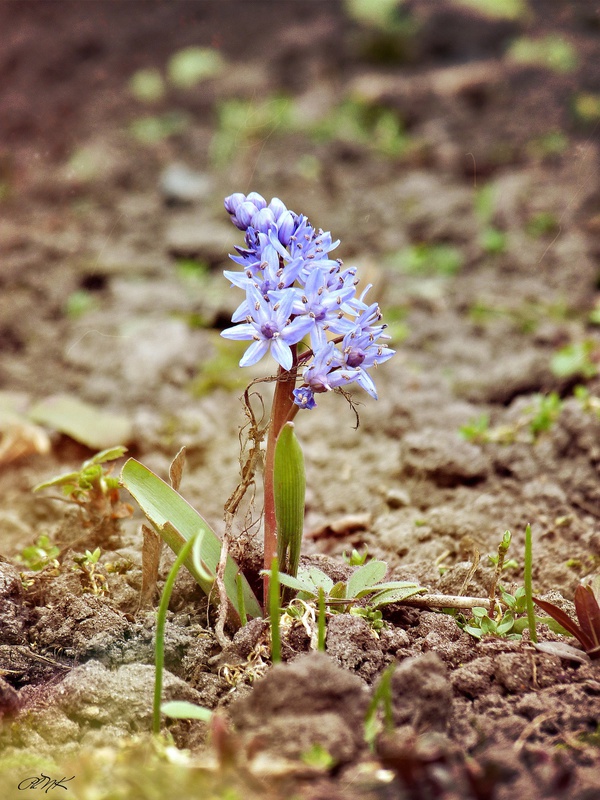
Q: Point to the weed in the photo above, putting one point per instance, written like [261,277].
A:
[39,555]
[576,359]
[92,488]
[427,260]
[94,581]
[553,52]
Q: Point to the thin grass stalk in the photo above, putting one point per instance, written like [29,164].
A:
[241,601]
[274,611]
[161,619]
[528,579]
[321,632]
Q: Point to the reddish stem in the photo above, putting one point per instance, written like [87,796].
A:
[281,411]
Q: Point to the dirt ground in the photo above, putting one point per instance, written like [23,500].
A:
[454,149]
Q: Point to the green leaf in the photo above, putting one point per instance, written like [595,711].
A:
[338,591]
[289,486]
[294,583]
[366,578]
[194,64]
[176,521]
[181,709]
[394,595]
[68,478]
[87,424]
[317,578]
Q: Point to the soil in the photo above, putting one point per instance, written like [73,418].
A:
[112,293]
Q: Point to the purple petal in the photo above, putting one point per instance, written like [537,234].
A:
[254,353]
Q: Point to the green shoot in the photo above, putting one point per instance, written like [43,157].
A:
[321,622]
[159,658]
[92,488]
[529,583]
[355,559]
[382,697]
[274,611]
[39,555]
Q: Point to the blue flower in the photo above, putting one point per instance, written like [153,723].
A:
[304,397]
[293,288]
[270,326]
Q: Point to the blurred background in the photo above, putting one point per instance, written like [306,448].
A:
[452,145]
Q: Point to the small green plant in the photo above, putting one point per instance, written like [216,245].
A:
[492,239]
[40,555]
[536,419]
[177,709]
[477,430]
[359,122]
[381,699]
[552,51]
[542,224]
[92,488]
[365,582]
[427,260]
[355,559]
[546,412]
[586,106]
[499,9]
[95,582]
[576,359]
[318,757]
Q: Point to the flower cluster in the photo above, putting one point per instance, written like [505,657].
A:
[293,290]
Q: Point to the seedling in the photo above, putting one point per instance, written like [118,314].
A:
[536,419]
[92,488]
[365,582]
[355,559]
[39,555]
[382,698]
[576,359]
[96,581]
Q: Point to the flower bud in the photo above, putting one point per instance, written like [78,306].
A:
[263,220]
[277,206]
[286,225]
[243,215]
[257,200]
[233,202]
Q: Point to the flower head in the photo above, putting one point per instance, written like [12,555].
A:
[293,289]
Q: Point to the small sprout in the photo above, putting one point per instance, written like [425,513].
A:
[587,107]
[477,429]
[182,709]
[152,130]
[318,757]
[428,260]
[192,65]
[355,559]
[499,9]
[546,413]
[147,85]
[542,224]
[575,359]
[552,52]
[381,698]
[92,488]
[493,240]
[39,555]
[95,581]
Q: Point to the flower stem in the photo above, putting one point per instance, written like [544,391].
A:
[283,407]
